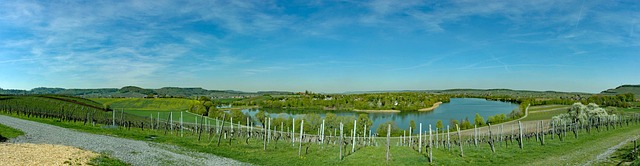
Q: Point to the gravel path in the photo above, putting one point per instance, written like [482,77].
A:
[606,154]
[129,151]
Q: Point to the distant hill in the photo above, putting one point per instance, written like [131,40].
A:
[495,92]
[635,89]
[138,92]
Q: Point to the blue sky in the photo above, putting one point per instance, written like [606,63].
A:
[322,46]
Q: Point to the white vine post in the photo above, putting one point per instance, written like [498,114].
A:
[341,137]
[322,132]
[264,132]
[151,119]
[114,117]
[158,119]
[370,135]
[437,135]
[430,144]
[293,132]
[353,144]
[364,135]
[420,140]
[404,136]
[475,135]
[301,133]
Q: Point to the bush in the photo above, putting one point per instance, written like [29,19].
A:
[3,139]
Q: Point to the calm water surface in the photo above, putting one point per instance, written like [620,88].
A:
[458,108]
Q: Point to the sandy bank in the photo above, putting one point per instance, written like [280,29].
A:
[435,105]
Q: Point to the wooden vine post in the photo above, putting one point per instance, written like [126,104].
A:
[501,134]
[635,149]
[520,135]
[460,141]
[341,139]
[542,132]
[264,135]
[491,143]
[388,142]
[220,130]
[448,138]
[553,129]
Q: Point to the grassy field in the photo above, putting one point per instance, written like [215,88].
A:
[570,152]
[545,112]
[164,115]
[629,110]
[547,107]
[9,132]
[105,160]
[543,115]
[159,104]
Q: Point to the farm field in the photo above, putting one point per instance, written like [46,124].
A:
[280,149]
[572,151]
[159,104]
[187,117]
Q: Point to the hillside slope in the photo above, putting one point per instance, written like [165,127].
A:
[635,89]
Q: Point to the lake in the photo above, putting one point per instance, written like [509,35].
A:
[458,108]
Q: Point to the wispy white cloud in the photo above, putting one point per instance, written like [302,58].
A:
[227,59]
[20,60]
[127,42]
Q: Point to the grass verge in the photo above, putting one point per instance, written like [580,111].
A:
[8,132]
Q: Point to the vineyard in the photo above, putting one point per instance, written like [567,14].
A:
[539,141]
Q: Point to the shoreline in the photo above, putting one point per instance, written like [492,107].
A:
[377,111]
[435,105]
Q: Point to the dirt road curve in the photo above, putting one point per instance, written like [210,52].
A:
[129,151]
